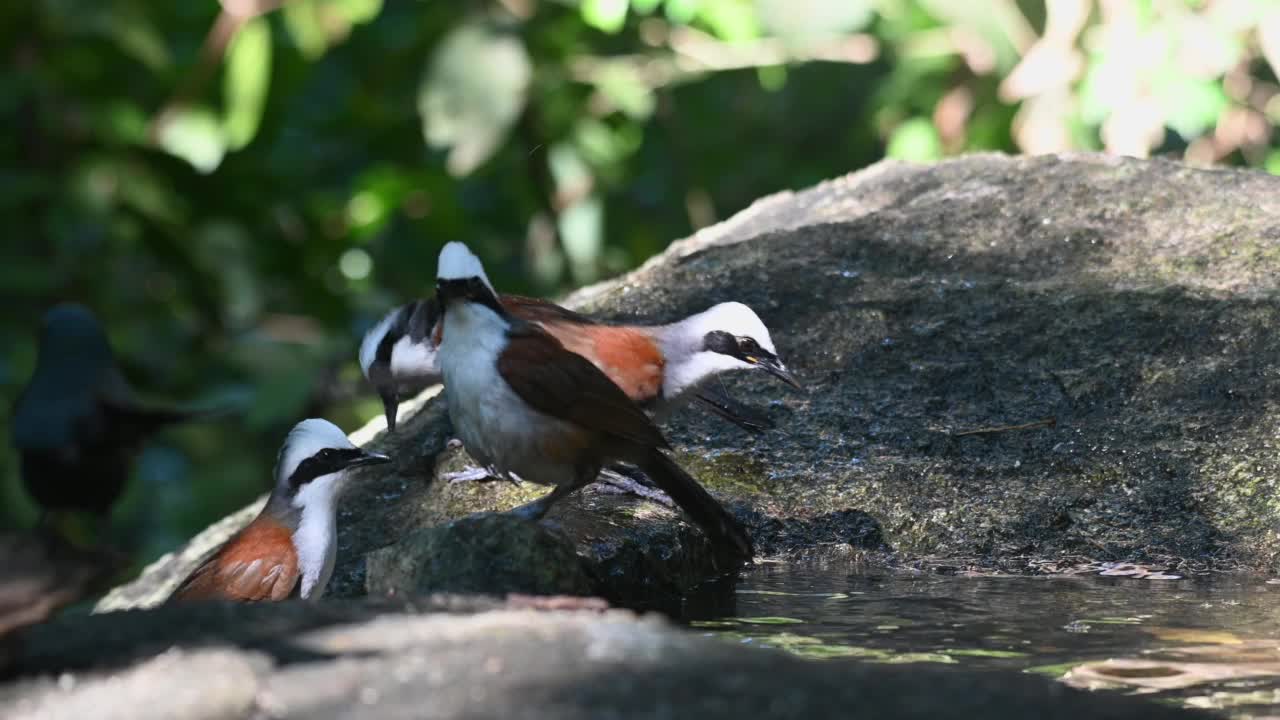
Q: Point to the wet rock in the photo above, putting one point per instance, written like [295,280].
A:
[1132,302]
[315,661]
[487,553]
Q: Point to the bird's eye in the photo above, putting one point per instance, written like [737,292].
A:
[747,345]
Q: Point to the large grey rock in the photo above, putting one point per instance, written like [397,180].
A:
[487,553]
[1133,303]
[301,660]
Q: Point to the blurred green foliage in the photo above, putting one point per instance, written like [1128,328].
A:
[238,189]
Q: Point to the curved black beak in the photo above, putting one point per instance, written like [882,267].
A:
[774,367]
[368,458]
[390,404]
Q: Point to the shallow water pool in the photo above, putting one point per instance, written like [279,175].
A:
[1202,643]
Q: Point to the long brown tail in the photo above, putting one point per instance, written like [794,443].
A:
[707,512]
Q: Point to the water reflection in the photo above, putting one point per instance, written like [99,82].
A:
[1203,643]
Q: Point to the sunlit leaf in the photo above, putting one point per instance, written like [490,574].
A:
[915,140]
[772,77]
[302,19]
[195,135]
[626,89]
[581,228]
[681,12]
[1000,25]
[731,20]
[1191,105]
[472,93]
[359,11]
[1273,162]
[803,21]
[606,15]
[603,146]
[244,88]
[644,7]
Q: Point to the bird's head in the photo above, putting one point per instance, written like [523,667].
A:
[460,278]
[730,336]
[400,350]
[313,464]
[70,333]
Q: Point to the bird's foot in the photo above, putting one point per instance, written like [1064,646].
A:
[471,474]
[478,474]
[613,481]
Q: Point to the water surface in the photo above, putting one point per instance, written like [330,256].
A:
[1202,643]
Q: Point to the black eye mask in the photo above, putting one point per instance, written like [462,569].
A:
[329,460]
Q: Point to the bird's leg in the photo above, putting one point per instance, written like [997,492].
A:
[536,509]
[628,479]
[474,473]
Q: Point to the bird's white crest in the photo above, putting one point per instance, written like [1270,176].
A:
[372,338]
[733,318]
[689,363]
[457,262]
[306,439]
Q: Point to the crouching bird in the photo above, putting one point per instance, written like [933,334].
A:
[523,403]
[78,425]
[658,366]
[289,549]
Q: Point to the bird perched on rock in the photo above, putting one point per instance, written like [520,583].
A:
[658,366]
[524,403]
[78,425]
[289,549]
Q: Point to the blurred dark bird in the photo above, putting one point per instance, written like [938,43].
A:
[657,366]
[78,425]
[524,403]
[289,549]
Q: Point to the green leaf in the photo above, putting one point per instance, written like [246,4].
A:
[1191,105]
[682,12]
[772,77]
[359,11]
[606,15]
[915,140]
[245,83]
[302,19]
[624,86]
[1273,162]
[731,20]
[195,135]
[473,91]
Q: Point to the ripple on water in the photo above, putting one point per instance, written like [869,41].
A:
[1203,644]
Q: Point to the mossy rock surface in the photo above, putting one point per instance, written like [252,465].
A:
[1131,303]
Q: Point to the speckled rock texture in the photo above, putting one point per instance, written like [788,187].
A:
[1108,326]
[454,658]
